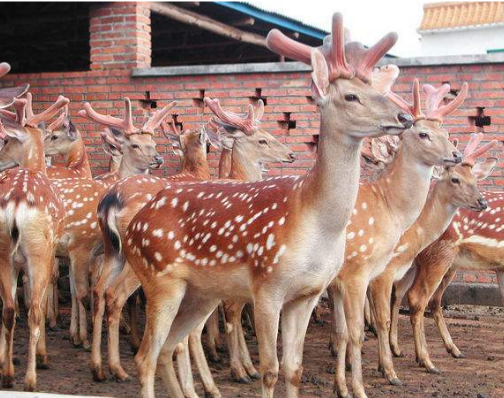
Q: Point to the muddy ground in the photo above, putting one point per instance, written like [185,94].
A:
[478,331]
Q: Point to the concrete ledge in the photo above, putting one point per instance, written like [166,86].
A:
[472,294]
[496,58]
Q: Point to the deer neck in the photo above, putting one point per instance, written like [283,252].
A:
[197,167]
[330,189]
[34,158]
[127,168]
[242,167]
[114,164]
[225,162]
[437,214]
[76,158]
[405,186]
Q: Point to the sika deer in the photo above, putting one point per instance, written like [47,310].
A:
[81,196]
[470,242]
[270,242]
[30,226]
[383,211]
[63,138]
[457,188]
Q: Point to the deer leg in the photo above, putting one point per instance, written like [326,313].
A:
[133,322]
[339,337]
[111,268]
[80,259]
[355,297]
[372,327]
[40,270]
[400,289]
[74,313]
[198,356]
[245,358]
[295,319]
[381,289]
[52,297]
[185,370]
[8,284]
[213,336]
[232,311]
[116,296]
[437,312]
[163,302]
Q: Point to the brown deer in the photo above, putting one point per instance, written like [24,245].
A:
[457,187]
[31,214]
[470,242]
[249,151]
[63,138]
[81,235]
[276,242]
[383,211]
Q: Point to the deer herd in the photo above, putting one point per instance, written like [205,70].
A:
[194,244]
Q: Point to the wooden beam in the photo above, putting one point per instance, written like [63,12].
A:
[203,22]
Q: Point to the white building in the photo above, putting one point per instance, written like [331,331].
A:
[461,28]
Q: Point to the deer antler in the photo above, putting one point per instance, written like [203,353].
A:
[4,69]
[384,77]
[435,96]
[33,120]
[125,125]
[170,129]
[157,118]
[56,125]
[245,124]
[414,109]
[471,151]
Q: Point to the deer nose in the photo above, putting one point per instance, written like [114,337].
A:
[405,119]
[292,157]
[159,159]
[457,156]
[482,203]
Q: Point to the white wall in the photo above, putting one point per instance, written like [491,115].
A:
[462,42]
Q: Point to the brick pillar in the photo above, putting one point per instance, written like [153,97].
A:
[120,35]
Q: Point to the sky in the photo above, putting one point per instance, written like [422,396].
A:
[368,21]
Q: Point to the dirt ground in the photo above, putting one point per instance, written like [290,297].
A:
[478,331]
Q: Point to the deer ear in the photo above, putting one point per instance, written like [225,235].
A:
[110,146]
[482,170]
[70,129]
[455,142]
[320,76]
[438,172]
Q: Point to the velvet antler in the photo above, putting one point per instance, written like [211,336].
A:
[33,120]
[157,118]
[472,152]
[435,97]
[125,125]
[414,109]
[56,125]
[243,123]
[384,78]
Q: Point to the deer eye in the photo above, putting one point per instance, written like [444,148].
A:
[135,146]
[351,98]
[455,180]
[423,135]
[263,142]
[54,138]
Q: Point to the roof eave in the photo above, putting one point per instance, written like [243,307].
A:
[461,28]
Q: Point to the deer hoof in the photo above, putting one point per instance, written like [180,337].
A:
[98,375]
[434,371]
[396,382]
[255,375]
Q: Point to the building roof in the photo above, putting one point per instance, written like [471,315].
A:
[457,15]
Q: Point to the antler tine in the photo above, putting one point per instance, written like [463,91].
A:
[474,141]
[438,113]
[245,124]
[4,69]
[414,109]
[277,42]
[34,120]
[384,77]
[336,58]
[20,107]
[125,125]
[167,126]
[56,125]
[259,110]
[157,118]
[363,60]
[472,152]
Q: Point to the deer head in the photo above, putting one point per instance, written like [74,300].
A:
[461,182]
[428,139]
[112,148]
[23,137]
[249,142]
[60,135]
[341,82]
[137,144]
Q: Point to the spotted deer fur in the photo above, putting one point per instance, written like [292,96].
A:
[30,226]
[385,209]
[456,188]
[266,241]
